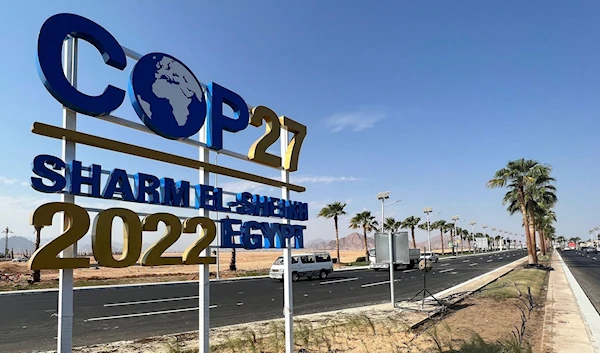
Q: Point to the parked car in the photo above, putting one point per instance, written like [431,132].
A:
[309,265]
[590,250]
[429,256]
[566,248]
[19,259]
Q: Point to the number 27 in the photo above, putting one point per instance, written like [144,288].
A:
[258,150]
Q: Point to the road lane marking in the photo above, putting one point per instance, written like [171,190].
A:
[145,314]
[445,265]
[377,283]
[500,258]
[490,260]
[152,301]
[407,271]
[473,264]
[453,273]
[594,258]
[340,280]
[446,270]
[466,260]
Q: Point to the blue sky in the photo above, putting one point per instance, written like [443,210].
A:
[425,99]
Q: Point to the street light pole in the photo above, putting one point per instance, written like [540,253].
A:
[484,228]
[455,219]
[427,211]
[384,196]
[473,223]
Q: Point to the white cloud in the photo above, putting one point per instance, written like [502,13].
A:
[9,181]
[322,179]
[355,121]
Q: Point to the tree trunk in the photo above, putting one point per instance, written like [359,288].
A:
[442,239]
[462,246]
[532,231]
[232,264]
[542,241]
[36,275]
[469,241]
[531,254]
[366,244]
[412,230]
[337,239]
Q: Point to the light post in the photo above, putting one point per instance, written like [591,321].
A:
[494,236]
[384,196]
[484,228]
[597,228]
[455,219]
[427,211]
[473,223]
[218,224]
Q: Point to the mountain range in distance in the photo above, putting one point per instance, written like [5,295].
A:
[353,241]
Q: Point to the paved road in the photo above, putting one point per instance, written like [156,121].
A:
[586,270]
[105,315]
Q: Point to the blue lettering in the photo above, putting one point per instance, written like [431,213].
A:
[302,211]
[174,194]
[205,197]
[118,183]
[261,205]
[243,201]
[228,234]
[298,236]
[75,179]
[146,184]
[272,235]
[217,122]
[218,193]
[40,168]
[50,45]
[249,240]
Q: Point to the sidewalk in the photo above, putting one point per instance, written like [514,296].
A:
[565,330]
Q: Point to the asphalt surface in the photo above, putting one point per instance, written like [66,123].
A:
[585,267]
[28,322]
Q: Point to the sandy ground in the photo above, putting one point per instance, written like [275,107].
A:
[248,262]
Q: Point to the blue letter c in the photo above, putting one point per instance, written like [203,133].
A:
[50,44]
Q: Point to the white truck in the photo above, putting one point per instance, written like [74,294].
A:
[379,257]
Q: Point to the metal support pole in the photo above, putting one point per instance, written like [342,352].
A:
[391,245]
[429,233]
[65,276]
[218,223]
[204,270]
[288,294]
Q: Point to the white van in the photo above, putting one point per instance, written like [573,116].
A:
[309,265]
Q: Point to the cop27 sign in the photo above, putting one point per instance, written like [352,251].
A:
[169,99]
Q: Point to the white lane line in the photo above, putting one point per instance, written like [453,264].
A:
[490,260]
[151,301]
[453,273]
[145,314]
[473,264]
[466,260]
[445,265]
[340,280]
[407,271]
[500,258]
[594,258]
[377,283]
[446,270]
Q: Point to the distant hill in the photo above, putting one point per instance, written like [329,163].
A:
[354,241]
[17,244]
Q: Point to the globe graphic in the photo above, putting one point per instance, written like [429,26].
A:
[166,96]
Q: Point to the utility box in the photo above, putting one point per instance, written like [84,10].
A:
[403,255]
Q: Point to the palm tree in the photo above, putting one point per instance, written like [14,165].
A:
[410,223]
[518,176]
[498,240]
[464,235]
[423,226]
[367,222]
[391,224]
[36,275]
[334,210]
[440,225]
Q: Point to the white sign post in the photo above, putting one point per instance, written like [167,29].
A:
[65,276]
[288,294]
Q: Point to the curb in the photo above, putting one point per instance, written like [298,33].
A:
[588,313]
